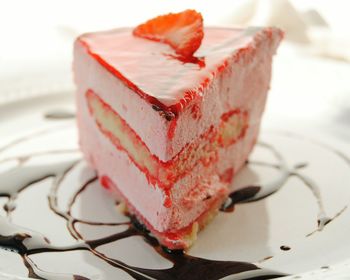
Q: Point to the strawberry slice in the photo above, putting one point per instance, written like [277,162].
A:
[182,31]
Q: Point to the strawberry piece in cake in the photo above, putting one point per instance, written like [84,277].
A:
[167,116]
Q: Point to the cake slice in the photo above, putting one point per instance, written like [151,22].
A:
[167,125]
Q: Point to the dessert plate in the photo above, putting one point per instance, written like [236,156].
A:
[288,215]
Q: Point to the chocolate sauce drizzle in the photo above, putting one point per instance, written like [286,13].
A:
[255,193]
[27,243]
[169,116]
[59,115]
[285,248]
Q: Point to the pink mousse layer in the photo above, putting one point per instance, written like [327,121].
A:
[189,195]
[237,70]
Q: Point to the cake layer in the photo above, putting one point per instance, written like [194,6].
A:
[133,184]
[117,66]
[203,150]
[189,197]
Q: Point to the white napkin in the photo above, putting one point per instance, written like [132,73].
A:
[307,28]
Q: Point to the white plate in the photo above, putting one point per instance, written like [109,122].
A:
[315,136]
[254,232]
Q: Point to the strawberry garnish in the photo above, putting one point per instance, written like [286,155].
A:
[182,31]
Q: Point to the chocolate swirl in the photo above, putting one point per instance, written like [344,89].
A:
[27,243]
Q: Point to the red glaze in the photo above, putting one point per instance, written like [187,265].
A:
[106,182]
[167,201]
[171,131]
[196,112]
[200,61]
[227,176]
[170,84]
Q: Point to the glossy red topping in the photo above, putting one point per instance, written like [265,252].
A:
[182,31]
[173,83]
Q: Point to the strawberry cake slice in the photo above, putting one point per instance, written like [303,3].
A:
[168,112]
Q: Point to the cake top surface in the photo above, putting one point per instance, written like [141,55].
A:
[155,72]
